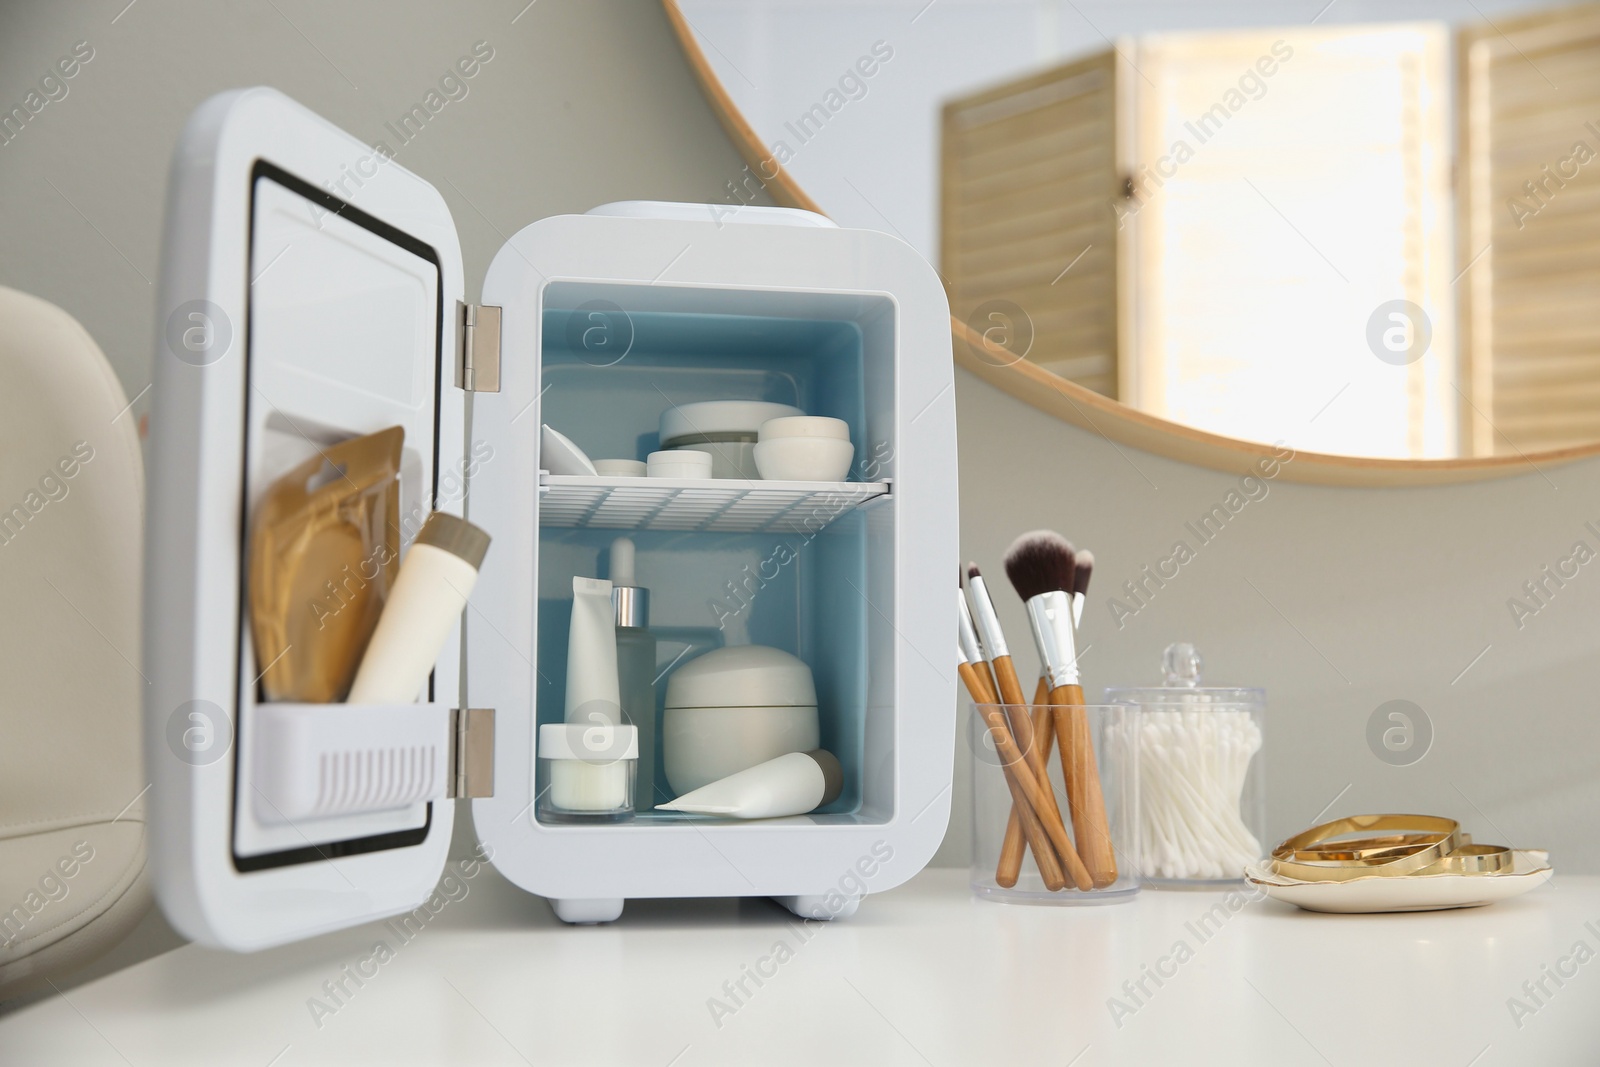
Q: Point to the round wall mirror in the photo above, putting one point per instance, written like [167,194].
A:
[1213,228]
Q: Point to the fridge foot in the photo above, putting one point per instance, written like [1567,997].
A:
[820,905]
[588,910]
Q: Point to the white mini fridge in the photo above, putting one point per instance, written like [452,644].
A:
[312,291]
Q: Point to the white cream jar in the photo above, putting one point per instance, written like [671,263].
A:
[733,708]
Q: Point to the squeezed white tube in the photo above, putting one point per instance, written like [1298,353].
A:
[435,579]
[593,692]
[792,784]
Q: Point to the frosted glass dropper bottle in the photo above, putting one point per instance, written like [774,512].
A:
[636,666]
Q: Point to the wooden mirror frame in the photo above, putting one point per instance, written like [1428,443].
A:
[1084,408]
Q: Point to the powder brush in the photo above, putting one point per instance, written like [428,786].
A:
[1041,566]
[1012,846]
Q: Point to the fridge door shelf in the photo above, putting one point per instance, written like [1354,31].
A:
[316,761]
[571,501]
[322,761]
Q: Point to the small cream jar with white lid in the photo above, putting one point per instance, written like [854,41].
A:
[588,771]
[809,448]
[733,708]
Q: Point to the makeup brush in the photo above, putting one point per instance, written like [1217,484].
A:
[1044,722]
[972,654]
[1010,689]
[1012,846]
[998,652]
[969,664]
[1041,566]
[980,662]
[1082,570]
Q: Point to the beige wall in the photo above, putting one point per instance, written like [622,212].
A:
[583,102]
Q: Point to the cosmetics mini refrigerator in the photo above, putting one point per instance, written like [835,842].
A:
[312,292]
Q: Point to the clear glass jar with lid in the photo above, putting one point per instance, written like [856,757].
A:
[1202,782]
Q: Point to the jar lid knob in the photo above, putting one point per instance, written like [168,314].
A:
[1181,663]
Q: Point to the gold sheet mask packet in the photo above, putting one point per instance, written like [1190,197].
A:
[324,549]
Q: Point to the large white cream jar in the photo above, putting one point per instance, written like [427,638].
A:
[733,708]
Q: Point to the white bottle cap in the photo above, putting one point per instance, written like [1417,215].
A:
[456,536]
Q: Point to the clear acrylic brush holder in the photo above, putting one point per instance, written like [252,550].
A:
[1201,794]
[1022,883]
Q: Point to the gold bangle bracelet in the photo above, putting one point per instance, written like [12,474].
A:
[1366,848]
[1474,859]
[1443,836]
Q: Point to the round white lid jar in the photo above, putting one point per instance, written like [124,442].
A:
[733,708]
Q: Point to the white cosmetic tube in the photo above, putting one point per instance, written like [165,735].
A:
[436,577]
[593,692]
[792,784]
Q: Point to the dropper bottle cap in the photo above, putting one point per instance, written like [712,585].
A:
[631,601]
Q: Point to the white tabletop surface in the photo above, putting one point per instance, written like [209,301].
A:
[923,974]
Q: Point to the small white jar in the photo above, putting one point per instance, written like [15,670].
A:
[588,771]
[806,449]
[679,463]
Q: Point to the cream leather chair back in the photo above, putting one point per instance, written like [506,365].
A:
[72,830]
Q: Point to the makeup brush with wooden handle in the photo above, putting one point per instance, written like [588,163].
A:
[1005,675]
[968,629]
[972,654]
[1040,566]
[1044,732]
[1013,846]
[969,664]
[980,687]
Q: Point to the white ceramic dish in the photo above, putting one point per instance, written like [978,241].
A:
[804,426]
[805,459]
[1434,892]
[558,455]
[679,463]
[620,468]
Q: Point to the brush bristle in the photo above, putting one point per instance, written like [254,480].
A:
[1082,569]
[973,572]
[1039,562]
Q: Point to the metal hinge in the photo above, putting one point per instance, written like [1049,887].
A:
[471,752]
[478,368]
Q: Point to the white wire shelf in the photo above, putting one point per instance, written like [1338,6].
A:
[723,505]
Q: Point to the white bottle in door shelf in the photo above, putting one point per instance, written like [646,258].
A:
[436,577]
[636,665]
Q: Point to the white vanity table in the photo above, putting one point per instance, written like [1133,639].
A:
[923,974]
